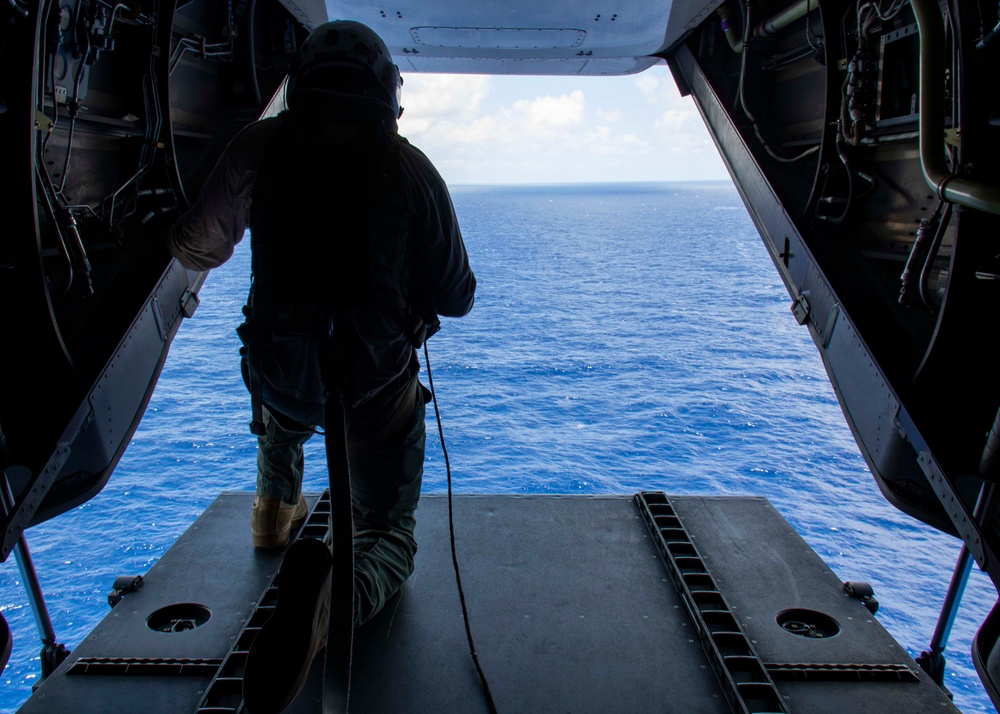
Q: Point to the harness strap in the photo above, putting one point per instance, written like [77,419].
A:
[257,427]
[255,333]
[340,633]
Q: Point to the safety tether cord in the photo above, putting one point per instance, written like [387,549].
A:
[454,553]
[340,632]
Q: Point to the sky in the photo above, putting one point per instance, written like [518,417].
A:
[501,129]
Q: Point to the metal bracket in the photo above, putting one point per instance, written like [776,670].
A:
[189,303]
[124,584]
[800,308]
[862,591]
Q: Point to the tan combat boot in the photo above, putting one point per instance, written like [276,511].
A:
[273,521]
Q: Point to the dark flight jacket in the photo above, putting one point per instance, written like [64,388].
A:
[379,244]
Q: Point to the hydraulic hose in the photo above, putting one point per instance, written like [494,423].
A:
[732,34]
[786,17]
[768,27]
[948,185]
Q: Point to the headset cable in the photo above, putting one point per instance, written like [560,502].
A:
[454,552]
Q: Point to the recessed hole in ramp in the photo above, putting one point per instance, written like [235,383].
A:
[808,623]
[179,617]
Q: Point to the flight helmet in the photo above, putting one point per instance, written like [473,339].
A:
[346,56]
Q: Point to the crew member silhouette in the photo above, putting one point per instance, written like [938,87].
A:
[356,251]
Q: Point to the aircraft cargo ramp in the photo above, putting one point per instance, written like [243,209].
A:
[577,604]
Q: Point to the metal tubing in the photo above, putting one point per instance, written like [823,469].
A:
[36,600]
[959,579]
[767,27]
[732,37]
[990,36]
[952,599]
[949,186]
[925,272]
[785,17]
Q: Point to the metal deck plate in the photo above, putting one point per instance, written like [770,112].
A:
[570,604]
[764,570]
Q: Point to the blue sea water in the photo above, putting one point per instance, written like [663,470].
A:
[625,337]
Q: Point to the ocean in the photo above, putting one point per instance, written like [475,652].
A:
[624,337]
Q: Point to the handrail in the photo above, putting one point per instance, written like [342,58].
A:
[948,185]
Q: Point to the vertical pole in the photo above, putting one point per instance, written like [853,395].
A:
[36,600]
[932,661]
[952,600]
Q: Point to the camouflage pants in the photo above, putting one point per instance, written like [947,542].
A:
[385,447]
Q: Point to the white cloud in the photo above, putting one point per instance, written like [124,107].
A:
[441,95]
[650,86]
[520,127]
[677,119]
[559,129]
[604,142]
[552,112]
